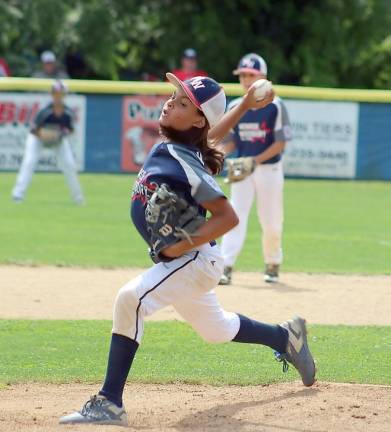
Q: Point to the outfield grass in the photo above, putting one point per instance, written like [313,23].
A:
[66,351]
[330,226]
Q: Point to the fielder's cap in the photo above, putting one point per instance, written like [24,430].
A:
[190,53]
[48,57]
[59,87]
[252,63]
[205,93]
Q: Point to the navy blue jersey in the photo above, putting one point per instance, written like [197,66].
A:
[46,117]
[259,129]
[179,166]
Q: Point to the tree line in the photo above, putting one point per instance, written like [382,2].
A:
[330,43]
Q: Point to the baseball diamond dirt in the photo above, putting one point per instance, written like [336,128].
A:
[28,292]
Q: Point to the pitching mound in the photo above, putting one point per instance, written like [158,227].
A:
[178,407]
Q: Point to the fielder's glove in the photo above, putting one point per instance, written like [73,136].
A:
[169,219]
[50,135]
[239,168]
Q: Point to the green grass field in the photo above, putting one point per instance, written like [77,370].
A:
[331,226]
[62,351]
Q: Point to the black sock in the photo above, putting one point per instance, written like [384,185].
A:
[121,355]
[250,331]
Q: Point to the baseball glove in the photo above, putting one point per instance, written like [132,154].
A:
[169,219]
[50,135]
[239,168]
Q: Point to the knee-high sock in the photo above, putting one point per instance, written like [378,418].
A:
[251,331]
[121,355]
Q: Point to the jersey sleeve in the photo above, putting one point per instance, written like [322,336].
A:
[40,118]
[202,184]
[282,129]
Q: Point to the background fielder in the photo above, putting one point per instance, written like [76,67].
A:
[260,133]
[50,128]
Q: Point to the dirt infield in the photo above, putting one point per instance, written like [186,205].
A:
[62,293]
[177,407]
[74,293]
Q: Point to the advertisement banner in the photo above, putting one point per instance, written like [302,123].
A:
[324,139]
[140,129]
[17,111]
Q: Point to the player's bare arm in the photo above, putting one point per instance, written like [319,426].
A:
[226,146]
[223,218]
[275,149]
[232,117]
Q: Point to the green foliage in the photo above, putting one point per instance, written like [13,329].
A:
[328,227]
[341,43]
[29,26]
[66,351]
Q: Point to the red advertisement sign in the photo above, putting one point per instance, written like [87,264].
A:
[140,129]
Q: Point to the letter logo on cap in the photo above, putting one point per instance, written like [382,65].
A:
[197,83]
[248,62]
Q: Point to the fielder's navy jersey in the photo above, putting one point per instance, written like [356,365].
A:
[46,117]
[259,129]
[181,167]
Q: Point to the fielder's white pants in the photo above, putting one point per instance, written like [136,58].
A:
[186,283]
[30,160]
[265,184]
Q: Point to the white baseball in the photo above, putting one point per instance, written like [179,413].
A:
[262,86]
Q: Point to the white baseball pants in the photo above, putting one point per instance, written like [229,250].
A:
[30,160]
[186,283]
[266,184]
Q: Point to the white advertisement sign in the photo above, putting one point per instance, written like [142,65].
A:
[17,111]
[324,139]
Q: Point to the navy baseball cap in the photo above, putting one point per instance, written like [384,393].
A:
[252,63]
[205,93]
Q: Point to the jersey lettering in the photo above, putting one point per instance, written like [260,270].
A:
[166,230]
[259,129]
[181,167]
[143,188]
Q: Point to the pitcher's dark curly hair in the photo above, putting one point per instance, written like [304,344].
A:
[213,159]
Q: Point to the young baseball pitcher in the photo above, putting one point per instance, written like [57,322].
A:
[174,190]
[260,137]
